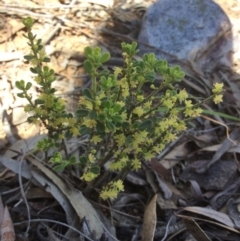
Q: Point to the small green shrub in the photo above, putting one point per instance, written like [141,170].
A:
[124,125]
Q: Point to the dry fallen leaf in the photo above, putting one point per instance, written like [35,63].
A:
[149,220]
[1,211]
[196,230]
[80,204]
[7,230]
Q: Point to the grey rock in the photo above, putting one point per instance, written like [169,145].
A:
[218,176]
[187,31]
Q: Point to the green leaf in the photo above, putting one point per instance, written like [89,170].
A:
[103,81]
[20,84]
[230,117]
[101,117]
[100,127]
[117,108]
[105,57]
[95,169]
[96,51]
[83,160]
[40,46]
[104,72]
[46,60]
[117,118]
[72,160]
[150,76]
[128,140]
[84,130]
[39,102]
[21,95]
[88,66]
[125,125]
[106,104]
[136,124]
[192,124]
[87,51]
[28,22]
[110,126]
[68,134]
[81,113]
[34,70]
[60,167]
[134,46]
[145,125]
[88,93]
[92,115]
[28,57]
[28,85]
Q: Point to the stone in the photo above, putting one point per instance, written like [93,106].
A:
[187,31]
[218,176]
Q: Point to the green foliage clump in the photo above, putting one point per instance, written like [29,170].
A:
[125,125]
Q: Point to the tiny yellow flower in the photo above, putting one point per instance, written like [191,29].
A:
[218,99]
[91,158]
[136,164]
[197,112]
[189,112]
[159,148]
[38,79]
[121,103]
[182,95]
[124,116]
[89,105]
[188,103]
[111,193]
[96,139]
[71,121]
[117,71]
[120,139]
[89,123]
[112,190]
[180,126]
[28,108]
[174,112]
[218,88]
[147,105]
[168,103]
[170,137]
[125,92]
[75,131]
[140,98]
[82,100]
[88,176]
[149,155]
[153,87]
[119,185]
[138,111]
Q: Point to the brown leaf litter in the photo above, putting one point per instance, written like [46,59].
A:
[196,178]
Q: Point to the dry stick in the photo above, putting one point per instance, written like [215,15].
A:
[57,6]
[166,232]
[58,26]
[23,195]
[56,222]
[68,226]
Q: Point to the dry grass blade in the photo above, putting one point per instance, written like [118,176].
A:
[82,207]
[196,230]
[51,235]
[7,230]
[226,145]
[212,214]
[1,211]
[149,221]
